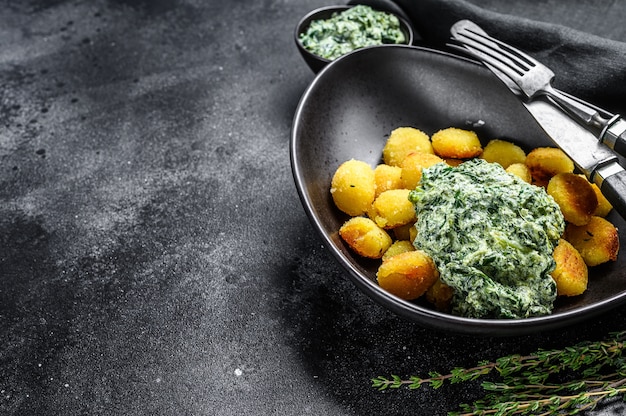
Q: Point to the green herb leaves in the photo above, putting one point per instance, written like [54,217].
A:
[491,235]
[549,382]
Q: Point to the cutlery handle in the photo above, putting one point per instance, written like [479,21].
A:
[614,135]
[612,182]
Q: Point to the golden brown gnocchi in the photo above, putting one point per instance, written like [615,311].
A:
[387,177]
[397,247]
[440,295]
[597,241]
[403,141]
[575,196]
[353,187]
[403,232]
[412,167]
[503,152]
[365,237]
[453,162]
[392,208]
[545,162]
[456,143]
[604,206]
[521,171]
[570,274]
[408,275]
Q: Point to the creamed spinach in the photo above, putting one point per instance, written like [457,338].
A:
[354,28]
[492,236]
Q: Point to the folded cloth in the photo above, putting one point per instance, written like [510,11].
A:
[582,41]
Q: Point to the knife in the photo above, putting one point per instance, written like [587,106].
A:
[599,164]
[594,159]
[535,79]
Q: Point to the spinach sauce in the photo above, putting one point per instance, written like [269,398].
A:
[492,236]
[354,28]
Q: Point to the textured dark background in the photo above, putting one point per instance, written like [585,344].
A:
[154,256]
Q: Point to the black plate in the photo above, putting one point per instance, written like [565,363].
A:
[348,112]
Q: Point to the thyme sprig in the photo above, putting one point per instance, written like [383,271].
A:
[564,381]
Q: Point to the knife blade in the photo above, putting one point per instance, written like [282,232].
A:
[594,159]
[533,79]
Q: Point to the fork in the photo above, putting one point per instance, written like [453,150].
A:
[533,79]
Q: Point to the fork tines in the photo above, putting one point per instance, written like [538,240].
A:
[514,59]
[508,60]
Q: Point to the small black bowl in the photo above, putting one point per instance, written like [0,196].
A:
[315,62]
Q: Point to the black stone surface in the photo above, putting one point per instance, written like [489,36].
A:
[154,256]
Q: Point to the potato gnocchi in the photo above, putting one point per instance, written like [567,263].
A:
[382,219]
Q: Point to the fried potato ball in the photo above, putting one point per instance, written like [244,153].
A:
[575,197]
[440,295]
[456,143]
[403,141]
[545,162]
[520,170]
[408,275]
[597,241]
[387,177]
[403,232]
[365,237]
[503,152]
[397,247]
[412,167]
[392,208]
[412,234]
[570,274]
[353,187]
[604,206]
[453,162]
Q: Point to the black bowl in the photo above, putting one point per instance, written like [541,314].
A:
[348,111]
[316,62]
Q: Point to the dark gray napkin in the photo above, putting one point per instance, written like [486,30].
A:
[582,41]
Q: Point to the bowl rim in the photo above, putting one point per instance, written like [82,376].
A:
[428,317]
[301,27]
